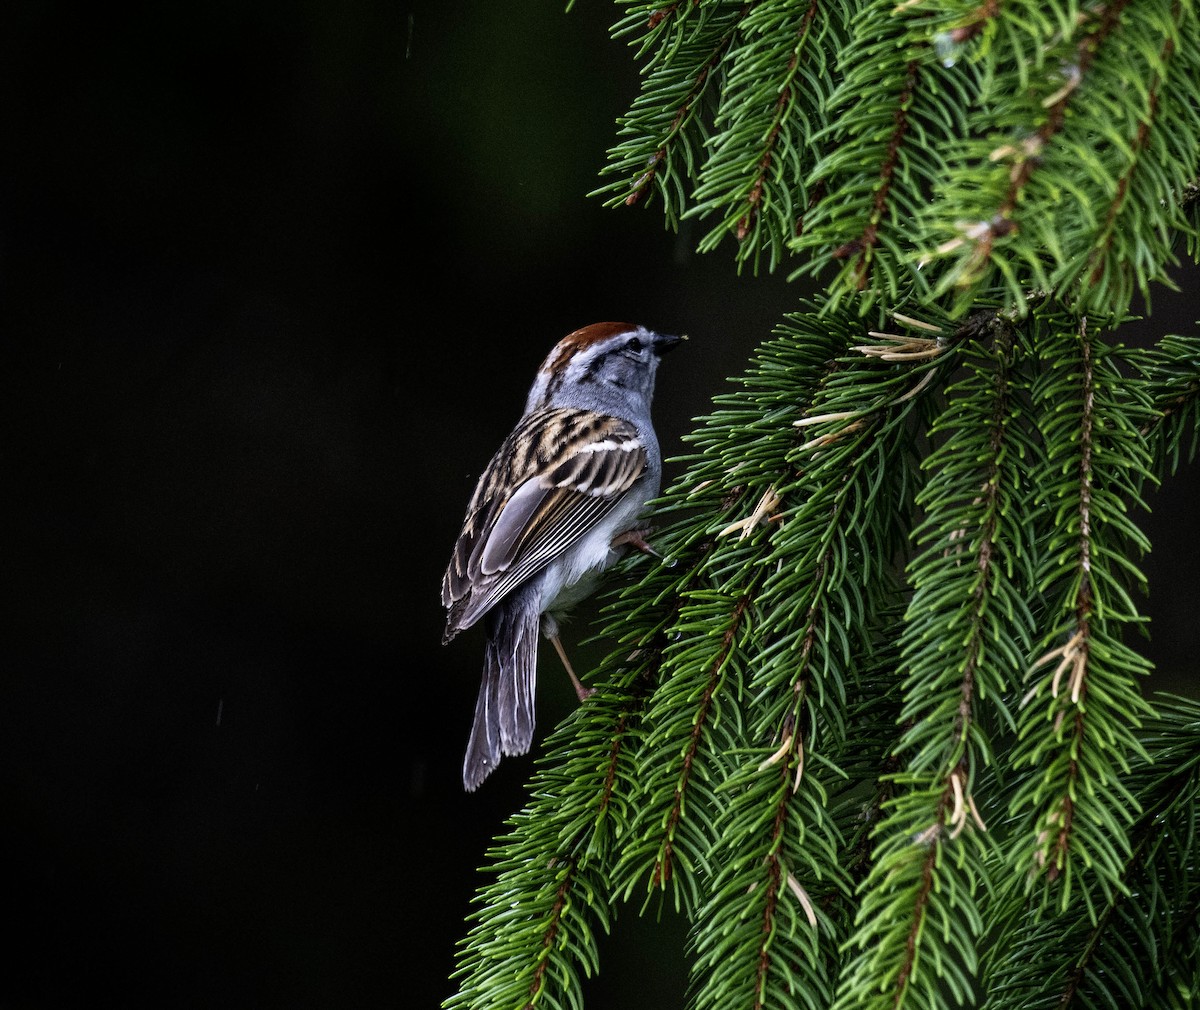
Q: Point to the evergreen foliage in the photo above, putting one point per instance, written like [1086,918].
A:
[877,720]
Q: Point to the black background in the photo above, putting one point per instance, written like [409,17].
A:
[275,280]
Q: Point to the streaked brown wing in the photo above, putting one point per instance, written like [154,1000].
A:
[555,477]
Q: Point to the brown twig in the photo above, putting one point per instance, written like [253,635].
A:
[866,242]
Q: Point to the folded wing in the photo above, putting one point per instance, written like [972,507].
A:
[558,474]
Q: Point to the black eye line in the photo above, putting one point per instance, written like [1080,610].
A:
[634,345]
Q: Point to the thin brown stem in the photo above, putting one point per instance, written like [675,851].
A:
[754,199]
[863,246]
[1140,141]
[549,936]
[1083,602]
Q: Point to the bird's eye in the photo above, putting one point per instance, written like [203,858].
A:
[633,344]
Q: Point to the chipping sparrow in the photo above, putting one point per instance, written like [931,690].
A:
[558,504]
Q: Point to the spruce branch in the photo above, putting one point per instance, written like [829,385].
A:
[711,612]
[1027,157]
[1189,206]
[1114,130]
[1172,373]
[973,569]
[535,927]
[1083,687]
[945,146]
[1102,248]
[881,156]
[875,722]
[701,666]
[666,128]
[754,200]
[1130,945]
[661,872]
[775,83]
[966,28]
[861,249]
[777,846]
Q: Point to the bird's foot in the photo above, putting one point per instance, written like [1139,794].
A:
[636,537]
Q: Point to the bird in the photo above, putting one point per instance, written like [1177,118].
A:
[560,501]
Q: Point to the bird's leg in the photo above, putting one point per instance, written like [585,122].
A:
[636,537]
[583,693]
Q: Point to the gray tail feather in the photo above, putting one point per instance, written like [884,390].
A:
[504,709]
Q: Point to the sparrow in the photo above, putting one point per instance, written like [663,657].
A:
[560,501]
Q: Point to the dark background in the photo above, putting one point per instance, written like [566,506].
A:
[275,280]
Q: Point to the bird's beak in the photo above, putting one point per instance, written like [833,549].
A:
[664,342]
